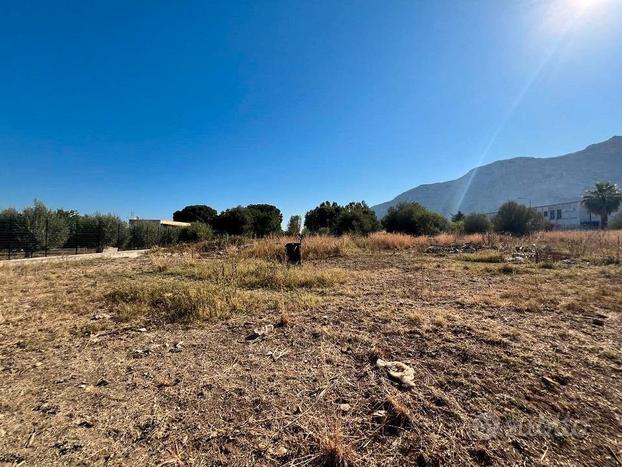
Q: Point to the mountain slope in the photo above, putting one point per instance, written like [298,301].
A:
[524,179]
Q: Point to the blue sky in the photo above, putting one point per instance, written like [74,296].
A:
[144,107]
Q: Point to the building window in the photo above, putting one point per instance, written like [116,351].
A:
[559,213]
[546,214]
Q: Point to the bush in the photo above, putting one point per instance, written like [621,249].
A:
[414,219]
[616,221]
[514,218]
[356,218]
[477,223]
[196,213]
[197,232]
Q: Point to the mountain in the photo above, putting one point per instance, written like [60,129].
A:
[538,181]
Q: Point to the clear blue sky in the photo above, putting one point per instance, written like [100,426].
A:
[146,106]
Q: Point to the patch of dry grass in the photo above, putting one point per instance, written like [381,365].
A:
[182,289]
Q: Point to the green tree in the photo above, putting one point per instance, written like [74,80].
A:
[196,213]
[294,225]
[518,219]
[48,228]
[603,199]
[323,217]
[457,217]
[235,221]
[266,219]
[356,218]
[477,223]
[98,231]
[414,219]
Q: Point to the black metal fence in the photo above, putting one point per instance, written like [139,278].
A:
[47,239]
[52,237]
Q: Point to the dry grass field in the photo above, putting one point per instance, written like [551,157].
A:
[225,356]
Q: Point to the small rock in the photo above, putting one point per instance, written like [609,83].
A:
[277,452]
[102,382]
[345,407]
[379,414]
[262,332]
[98,316]
[142,329]
[176,348]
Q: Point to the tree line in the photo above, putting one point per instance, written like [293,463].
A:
[38,227]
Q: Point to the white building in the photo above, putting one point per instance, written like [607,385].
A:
[569,215]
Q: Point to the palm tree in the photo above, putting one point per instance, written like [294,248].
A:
[603,199]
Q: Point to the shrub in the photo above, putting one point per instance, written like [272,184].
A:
[196,213]
[197,232]
[514,218]
[477,223]
[414,219]
[616,221]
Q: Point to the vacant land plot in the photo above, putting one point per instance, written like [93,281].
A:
[187,358]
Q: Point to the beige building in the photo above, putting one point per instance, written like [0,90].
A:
[159,222]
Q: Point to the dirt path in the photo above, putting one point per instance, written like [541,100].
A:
[79,257]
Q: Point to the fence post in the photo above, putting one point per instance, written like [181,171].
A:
[47,229]
[10,236]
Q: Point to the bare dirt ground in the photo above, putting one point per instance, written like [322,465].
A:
[513,365]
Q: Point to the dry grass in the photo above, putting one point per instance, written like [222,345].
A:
[538,347]
[182,289]
[335,452]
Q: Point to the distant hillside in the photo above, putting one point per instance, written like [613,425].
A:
[541,180]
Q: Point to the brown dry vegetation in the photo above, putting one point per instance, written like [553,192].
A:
[147,361]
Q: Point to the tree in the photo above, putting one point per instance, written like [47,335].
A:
[414,219]
[235,221]
[294,225]
[48,228]
[266,219]
[323,217]
[196,213]
[518,219]
[477,223]
[457,217]
[603,199]
[97,231]
[356,218]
